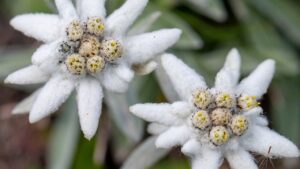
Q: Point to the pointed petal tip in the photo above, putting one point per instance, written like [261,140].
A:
[89,135]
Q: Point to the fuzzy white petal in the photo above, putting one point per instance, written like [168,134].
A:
[240,159]
[124,72]
[191,148]
[25,105]
[144,69]
[66,9]
[258,81]
[155,128]
[121,19]
[174,136]
[256,117]
[159,113]
[52,95]
[227,78]
[208,159]
[89,100]
[145,24]
[91,8]
[112,81]
[185,80]
[140,48]
[264,141]
[46,57]
[28,75]
[43,27]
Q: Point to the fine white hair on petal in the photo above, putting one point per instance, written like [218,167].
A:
[143,47]
[91,8]
[253,112]
[227,78]
[46,57]
[233,64]
[66,9]
[43,27]
[144,69]
[174,136]
[256,117]
[155,128]
[28,75]
[258,81]
[208,159]
[159,113]
[89,100]
[191,148]
[182,109]
[120,20]
[53,94]
[124,72]
[240,159]
[112,81]
[185,80]
[26,104]
[266,142]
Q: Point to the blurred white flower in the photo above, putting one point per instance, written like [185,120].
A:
[222,122]
[85,50]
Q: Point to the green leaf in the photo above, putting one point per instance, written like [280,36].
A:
[213,9]
[284,13]
[64,137]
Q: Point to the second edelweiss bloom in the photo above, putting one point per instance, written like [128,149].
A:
[225,121]
[85,50]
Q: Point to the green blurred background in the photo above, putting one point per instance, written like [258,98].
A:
[260,29]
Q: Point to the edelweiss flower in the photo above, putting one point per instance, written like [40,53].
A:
[222,122]
[85,50]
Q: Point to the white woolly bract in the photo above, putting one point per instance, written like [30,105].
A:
[52,95]
[124,72]
[28,75]
[173,136]
[191,148]
[43,27]
[156,128]
[240,159]
[91,8]
[257,83]
[89,100]
[264,141]
[121,19]
[159,113]
[141,48]
[185,80]
[66,9]
[233,65]
[26,104]
[144,69]
[207,159]
[112,81]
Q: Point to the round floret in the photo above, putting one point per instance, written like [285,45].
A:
[111,49]
[95,64]
[201,120]
[95,26]
[75,30]
[239,124]
[89,46]
[202,98]
[247,102]
[220,116]
[75,64]
[219,135]
[226,100]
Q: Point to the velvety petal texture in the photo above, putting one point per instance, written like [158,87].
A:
[91,8]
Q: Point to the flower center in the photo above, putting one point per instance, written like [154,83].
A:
[219,135]
[202,98]
[86,49]
[201,119]
[248,102]
[220,116]
[239,125]
[225,100]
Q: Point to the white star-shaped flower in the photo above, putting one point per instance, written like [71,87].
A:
[222,122]
[85,50]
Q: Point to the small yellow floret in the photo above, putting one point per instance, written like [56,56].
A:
[248,102]
[225,100]
[219,135]
[201,119]
[75,30]
[202,98]
[75,64]
[89,46]
[95,64]
[221,116]
[95,26]
[111,49]
[239,124]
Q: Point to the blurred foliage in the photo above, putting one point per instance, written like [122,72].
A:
[259,29]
